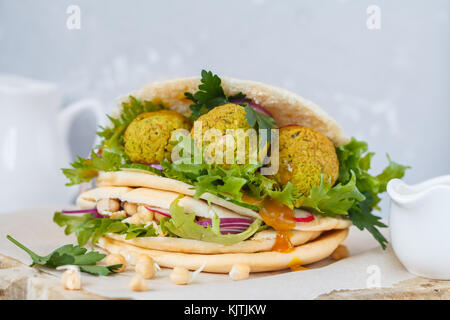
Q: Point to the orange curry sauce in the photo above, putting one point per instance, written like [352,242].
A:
[282,219]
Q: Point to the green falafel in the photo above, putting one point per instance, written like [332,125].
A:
[218,125]
[227,116]
[304,155]
[147,137]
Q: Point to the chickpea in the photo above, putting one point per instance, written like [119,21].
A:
[118,215]
[130,208]
[116,258]
[137,283]
[158,216]
[180,275]
[145,266]
[145,214]
[239,272]
[135,219]
[108,205]
[341,252]
[71,280]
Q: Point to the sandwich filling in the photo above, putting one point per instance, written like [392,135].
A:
[221,172]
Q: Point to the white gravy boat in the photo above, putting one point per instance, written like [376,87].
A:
[420,226]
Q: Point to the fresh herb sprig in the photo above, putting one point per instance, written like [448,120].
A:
[259,120]
[70,255]
[210,95]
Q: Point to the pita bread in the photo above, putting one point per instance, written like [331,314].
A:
[162,199]
[148,180]
[153,198]
[286,107]
[307,253]
[89,199]
[261,241]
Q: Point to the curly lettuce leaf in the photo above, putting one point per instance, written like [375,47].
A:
[287,196]
[84,170]
[130,110]
[110,155]
[88,228]
[354,159]
[227,182]
[332,201]
[138,167]
[230,183]
[184,226]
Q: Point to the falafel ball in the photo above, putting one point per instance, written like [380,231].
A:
[147,137]
[304,155]
[227,116]
[222,118]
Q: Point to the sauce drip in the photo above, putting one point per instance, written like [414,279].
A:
[283,242]
[277,215]
[282,219]
[251,200]
[285,172]
[296,265]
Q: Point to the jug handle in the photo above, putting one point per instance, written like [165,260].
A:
[68,114]
[65,119]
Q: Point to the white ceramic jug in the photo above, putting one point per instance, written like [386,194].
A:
[420,226]
[33,142]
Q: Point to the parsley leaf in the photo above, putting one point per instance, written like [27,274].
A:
[362,217]
[260,120]
[210,95]
[100,270]
[69,255]
[354,159]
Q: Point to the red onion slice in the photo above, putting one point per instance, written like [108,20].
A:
[156,166]
[158,211]
[94,210]
[229,222]
[233,229]
[255,106]
[227,225]
[94,213]
[231,232]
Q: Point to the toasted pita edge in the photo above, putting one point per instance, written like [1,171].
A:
[286,107]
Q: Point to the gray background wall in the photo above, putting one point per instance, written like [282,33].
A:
[388,86]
